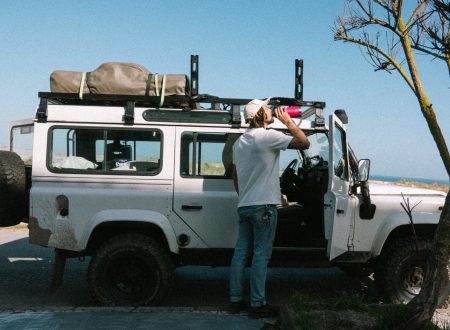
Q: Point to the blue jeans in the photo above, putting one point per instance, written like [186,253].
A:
[257,227]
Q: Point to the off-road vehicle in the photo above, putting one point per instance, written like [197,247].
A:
[143,187]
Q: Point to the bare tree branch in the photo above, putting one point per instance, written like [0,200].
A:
[384,4]
[383,65]
[398,5]
[432,30]
[416,11]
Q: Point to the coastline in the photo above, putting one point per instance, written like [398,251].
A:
[408,179]
[416,184]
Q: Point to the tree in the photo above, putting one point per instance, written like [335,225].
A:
[391,42]
[431,35]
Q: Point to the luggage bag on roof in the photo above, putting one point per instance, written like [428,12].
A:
[119,79]
[67,82]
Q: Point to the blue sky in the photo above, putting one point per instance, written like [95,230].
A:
[246,48]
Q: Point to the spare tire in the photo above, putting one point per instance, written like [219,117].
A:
[13,192]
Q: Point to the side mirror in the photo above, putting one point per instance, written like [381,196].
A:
[363,170]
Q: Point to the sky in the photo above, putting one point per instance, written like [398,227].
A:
[247,49]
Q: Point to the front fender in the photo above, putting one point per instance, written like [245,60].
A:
[400,219]
[144,216]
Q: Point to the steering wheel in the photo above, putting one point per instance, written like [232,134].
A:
[290,168]
[287,184]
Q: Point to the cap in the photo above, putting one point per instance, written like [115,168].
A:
[253,107]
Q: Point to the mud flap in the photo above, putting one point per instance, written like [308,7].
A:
[58,270]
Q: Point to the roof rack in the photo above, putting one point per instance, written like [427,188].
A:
[192,102]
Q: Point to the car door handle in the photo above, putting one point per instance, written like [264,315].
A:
[338,211]
[191,207]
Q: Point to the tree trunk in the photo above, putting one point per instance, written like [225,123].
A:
[421,308]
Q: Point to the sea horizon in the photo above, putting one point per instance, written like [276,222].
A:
[400,178]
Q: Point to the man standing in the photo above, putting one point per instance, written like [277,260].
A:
[256,179]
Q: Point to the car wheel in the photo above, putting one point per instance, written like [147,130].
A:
[401,269]
[130,270]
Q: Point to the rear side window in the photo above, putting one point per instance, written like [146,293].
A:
[22,142]
[105,151]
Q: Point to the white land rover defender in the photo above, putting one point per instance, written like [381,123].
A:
[142,188]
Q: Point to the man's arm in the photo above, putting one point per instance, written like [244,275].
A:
[235,178]
[299,139]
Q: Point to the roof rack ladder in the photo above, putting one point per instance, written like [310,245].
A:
[194,75]
[236,115]
[128,116]
[298,79]
[41,114]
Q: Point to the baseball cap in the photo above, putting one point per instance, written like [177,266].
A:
[253,107]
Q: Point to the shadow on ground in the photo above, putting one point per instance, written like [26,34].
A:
[26,270]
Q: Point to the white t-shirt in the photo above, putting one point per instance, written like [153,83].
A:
[256,155]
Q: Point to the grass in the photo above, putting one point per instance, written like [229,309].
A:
[341,301]
[349,310]
[311,312]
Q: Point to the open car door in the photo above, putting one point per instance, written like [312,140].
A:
[338,203]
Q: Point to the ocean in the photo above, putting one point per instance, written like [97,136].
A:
[399,178]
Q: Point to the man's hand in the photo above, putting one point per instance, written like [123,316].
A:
[299,140]
[282,115]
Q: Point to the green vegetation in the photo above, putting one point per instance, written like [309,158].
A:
[348,310]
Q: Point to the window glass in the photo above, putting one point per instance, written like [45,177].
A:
[318,148]
[317,153]
[207,154]
[340,154]
[22,142]
[106,151]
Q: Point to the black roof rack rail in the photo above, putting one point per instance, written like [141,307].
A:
[178,101]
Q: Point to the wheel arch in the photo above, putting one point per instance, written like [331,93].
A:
[107,224]
[403,230]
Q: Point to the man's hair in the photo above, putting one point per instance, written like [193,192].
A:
[258,120]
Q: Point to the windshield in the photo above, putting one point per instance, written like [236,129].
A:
[316,155]
[318,146]
[317,152]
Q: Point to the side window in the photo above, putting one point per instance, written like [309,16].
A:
[103,151]
[340,154]
[22,142]
[207,154]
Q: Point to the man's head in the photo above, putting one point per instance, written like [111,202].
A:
[258,114]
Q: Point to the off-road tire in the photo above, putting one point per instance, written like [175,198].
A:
[130,270]
[13,194]
[400,269]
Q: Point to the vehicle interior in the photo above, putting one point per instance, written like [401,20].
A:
[303,182]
